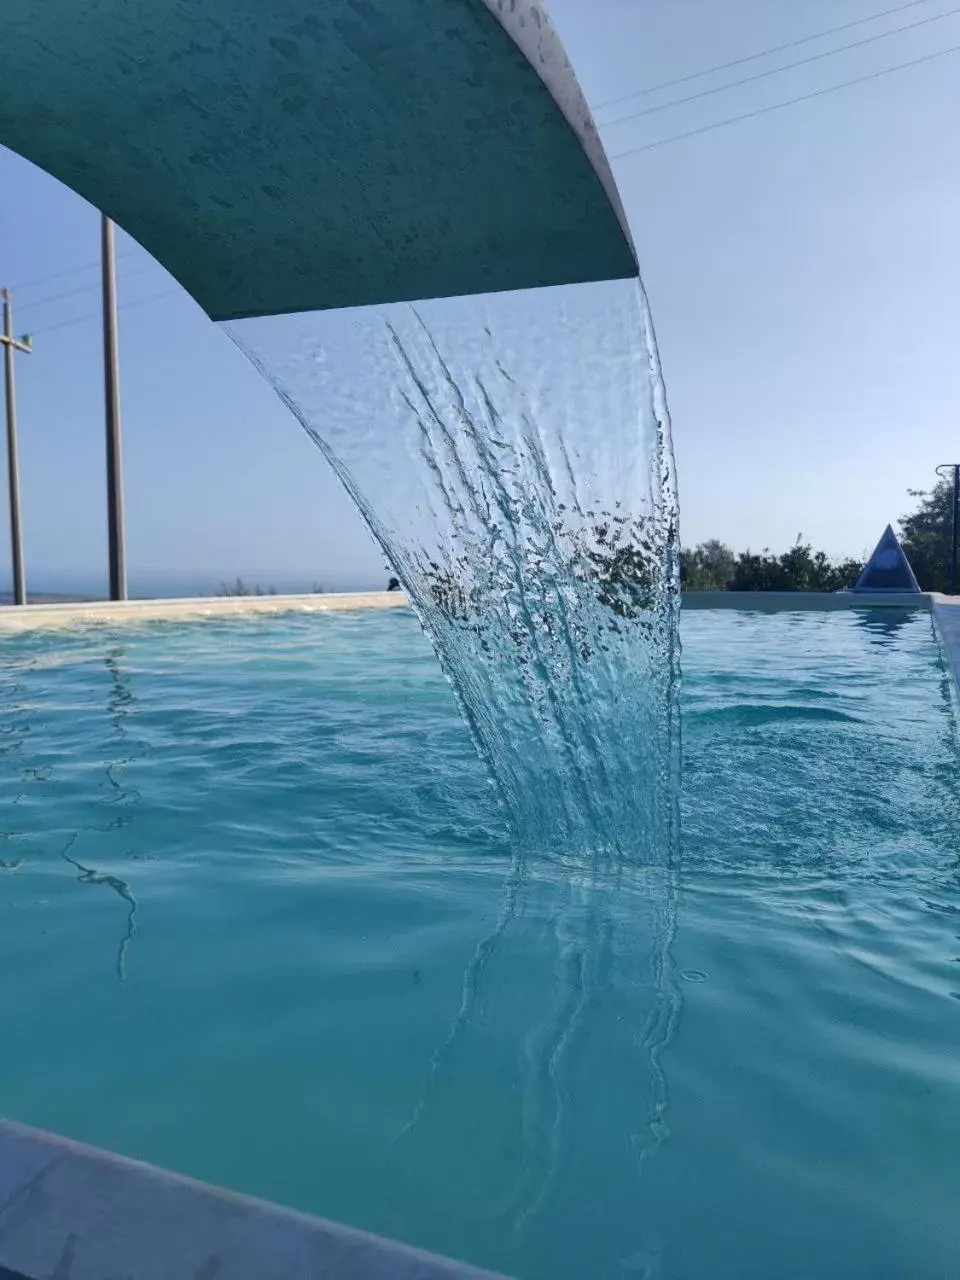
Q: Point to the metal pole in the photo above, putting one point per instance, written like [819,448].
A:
[941,470]
[111,395]
[13,459]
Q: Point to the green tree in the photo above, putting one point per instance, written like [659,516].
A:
[926,535]
[845,574]
[713,566]
[799,569]
[709,566]
[240,588]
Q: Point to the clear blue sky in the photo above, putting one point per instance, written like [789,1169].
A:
[803,267]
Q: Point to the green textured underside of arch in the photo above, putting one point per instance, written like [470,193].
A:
[290,155]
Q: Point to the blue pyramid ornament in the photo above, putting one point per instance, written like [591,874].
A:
[888,569]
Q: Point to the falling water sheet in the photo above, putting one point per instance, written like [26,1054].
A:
[512,456]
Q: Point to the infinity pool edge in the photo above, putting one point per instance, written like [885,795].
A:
[15,619]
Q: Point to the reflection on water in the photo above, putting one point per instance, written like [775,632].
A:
[576,980]
[119,706]
[120,887]
[15,731]
[883,625]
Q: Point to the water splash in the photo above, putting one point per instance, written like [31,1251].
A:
[512,455]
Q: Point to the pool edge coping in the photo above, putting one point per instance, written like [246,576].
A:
[16,619]
[71,1209]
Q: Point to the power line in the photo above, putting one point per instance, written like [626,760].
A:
[93,315]
[753,57]
[56,275]
[789,102]
[62,275]
[85,288]
[790,66]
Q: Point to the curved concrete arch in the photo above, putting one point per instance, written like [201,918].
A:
[291,155]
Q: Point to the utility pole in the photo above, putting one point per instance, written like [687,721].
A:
[111,396]
[11,345]
[955,468]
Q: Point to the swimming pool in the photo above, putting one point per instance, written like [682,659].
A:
[262,923]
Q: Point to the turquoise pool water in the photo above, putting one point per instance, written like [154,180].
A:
[261,921]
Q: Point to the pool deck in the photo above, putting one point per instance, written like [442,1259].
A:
[71,1212]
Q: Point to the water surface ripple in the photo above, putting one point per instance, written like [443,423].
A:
[343,989]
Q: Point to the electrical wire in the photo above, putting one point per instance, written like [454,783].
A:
[94,315]
[753,57]
[774,71]
[789,102]
[72,293]
[62,275]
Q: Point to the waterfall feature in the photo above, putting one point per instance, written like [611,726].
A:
[512,456]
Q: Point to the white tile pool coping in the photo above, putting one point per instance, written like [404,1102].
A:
[71,1212]
[31,617]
